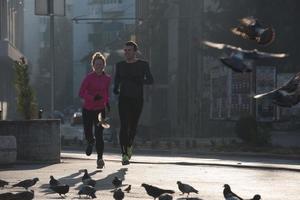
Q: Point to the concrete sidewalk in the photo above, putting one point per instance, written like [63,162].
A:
[158,168]
[230,160]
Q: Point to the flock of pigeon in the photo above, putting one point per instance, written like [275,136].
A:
[242,61]
[88,189]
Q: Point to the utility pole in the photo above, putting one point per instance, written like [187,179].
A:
[52,55]
[51,8]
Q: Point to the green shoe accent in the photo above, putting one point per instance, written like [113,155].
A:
[125,160]
[129,152]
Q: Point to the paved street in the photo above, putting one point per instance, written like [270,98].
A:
[272,179]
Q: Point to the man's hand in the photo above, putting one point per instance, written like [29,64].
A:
[108,107]
[97,97]
[116,91]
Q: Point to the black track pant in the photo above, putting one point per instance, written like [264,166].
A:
[90,122]
[129,112]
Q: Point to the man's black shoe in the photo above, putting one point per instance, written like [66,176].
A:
[89,149]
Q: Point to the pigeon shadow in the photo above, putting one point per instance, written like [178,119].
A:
[106,183]
[70,180]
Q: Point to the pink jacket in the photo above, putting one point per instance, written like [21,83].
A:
[93,85]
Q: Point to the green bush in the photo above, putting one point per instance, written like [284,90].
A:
[252,133]
[26,101]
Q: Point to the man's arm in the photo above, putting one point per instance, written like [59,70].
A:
[116,81]
[148,78]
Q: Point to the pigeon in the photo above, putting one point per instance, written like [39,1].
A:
[287,95]
[128,189]
[90,182]
[117,182]
[155,192]
[25,195]
[6,195]
[240,60]
[53,181]
[85,177]
[87,190]
[3,183]
[118,194]
[229,195]
[256,197]
[252,29]
[60,189]
[185,188]
[165,197]
[26,183]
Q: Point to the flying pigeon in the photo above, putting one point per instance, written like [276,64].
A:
[60,189]
[252,29]
[118,194]
[128,189]
[155,192]
[287,95]
[3,183]
[117,182]
[26,183]
[53,181]
[185,188]
[240,60]
[87,190]
[229,195]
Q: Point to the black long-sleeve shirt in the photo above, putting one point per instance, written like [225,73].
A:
[130,78]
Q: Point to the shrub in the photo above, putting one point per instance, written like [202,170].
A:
[26,101]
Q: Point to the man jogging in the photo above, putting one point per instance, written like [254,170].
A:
[130,77]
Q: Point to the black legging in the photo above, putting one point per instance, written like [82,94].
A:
[90,120]
[129,112]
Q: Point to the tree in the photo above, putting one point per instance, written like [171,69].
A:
[26,100]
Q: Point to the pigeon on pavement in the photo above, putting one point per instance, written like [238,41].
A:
[87,190]
[3,183]
[85,176]
[128,189]
[118,194]
[229,195]
[6,196]
[165,197]
[61,189]
[53,181]
[185,188]
[155,192]
[26,183]
[25,195]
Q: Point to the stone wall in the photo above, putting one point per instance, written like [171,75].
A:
[37,140]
